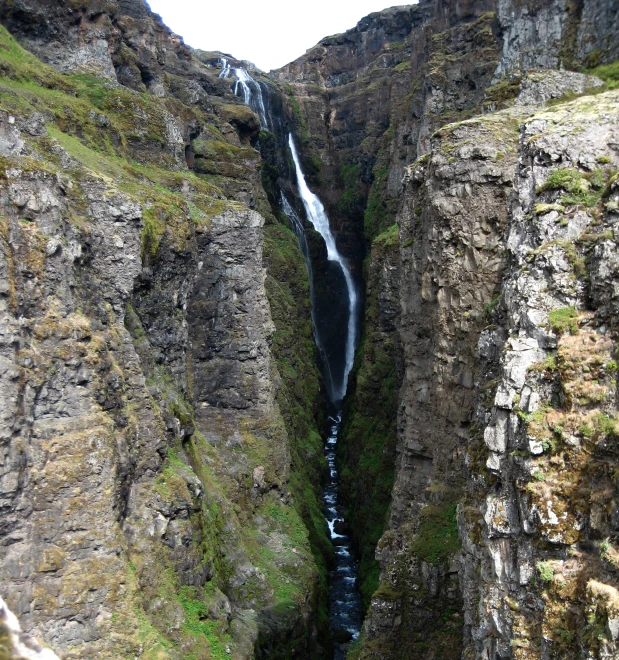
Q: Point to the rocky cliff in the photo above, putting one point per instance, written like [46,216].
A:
[507,417]
[157,407]
[372,99]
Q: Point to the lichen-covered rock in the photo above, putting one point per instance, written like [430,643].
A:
[508,402]
[554,406]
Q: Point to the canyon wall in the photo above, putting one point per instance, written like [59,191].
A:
[162,407]
[466,564]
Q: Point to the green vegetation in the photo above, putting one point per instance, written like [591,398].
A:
[437,537]
[545,570]
[609,73]
[381,209]
[489,308]
[503,93]
[352,201]
[129,154]
[564,320]
[541,209]
[582,189]
[198,623]
[606,426]
[299,395]
[389,238]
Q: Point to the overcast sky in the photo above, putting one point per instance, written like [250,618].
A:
[269,33]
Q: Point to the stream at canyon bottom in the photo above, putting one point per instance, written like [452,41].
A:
[345,610]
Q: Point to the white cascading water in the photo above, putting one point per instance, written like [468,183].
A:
[225,68]
[250,89]
[317,216]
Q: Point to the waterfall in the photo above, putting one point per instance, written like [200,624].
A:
[225,68]
[317,216]
[248,88]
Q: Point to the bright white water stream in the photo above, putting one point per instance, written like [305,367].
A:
[317,216]
[297,228]
[345,608]
[249,88]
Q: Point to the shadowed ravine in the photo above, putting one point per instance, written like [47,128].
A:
[345,607]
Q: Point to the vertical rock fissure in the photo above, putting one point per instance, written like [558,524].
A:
[345,609]
[344,603]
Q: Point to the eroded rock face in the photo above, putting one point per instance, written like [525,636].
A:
[507,394]
[551,34]
[145,465]
[543,538]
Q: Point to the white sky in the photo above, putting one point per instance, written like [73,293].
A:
[269,33]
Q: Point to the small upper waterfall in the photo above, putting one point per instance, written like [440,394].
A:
[317,216]
[225,68]
[249,88]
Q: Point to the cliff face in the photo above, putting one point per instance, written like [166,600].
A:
[152,502]
[368,103]
[372,100]
[506,421]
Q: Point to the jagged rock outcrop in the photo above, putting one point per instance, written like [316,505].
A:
[548,525]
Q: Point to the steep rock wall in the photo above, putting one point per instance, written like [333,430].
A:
[152,503]
[505,428]
[369,103]
[547,517]
[369,431]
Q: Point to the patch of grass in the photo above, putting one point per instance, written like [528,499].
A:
[504,92]
[198,624]
[605,425]
[564,320]
[541,209]
[609,73]
[437,537]
[582,189]
[389,238]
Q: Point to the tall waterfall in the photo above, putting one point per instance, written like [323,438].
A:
[317,216]
[249,88]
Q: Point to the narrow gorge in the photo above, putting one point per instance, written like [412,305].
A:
[314,363]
